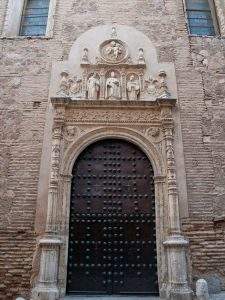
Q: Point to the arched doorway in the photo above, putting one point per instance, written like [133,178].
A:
[112,238]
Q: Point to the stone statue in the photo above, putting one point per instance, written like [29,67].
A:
[64,84]
[113,88]
[133,88]
[114,33]
[163,91]
[76,86]
[85,58]
[202,292]
[141,57]
[93,87]
[114,50]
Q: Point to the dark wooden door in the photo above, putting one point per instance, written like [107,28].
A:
[112,240]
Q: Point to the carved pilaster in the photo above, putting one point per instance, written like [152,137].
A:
[102,84]
[124,90]
[46,287]
[178,288]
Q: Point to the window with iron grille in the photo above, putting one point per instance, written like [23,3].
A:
[35,17]
[201,17]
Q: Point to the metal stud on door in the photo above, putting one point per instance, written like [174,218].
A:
[112,242]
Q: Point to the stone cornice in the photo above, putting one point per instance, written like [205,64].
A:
[68,102]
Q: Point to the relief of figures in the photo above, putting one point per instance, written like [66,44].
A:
[158,86]
[93,87]
[113,50]
[70,87]
[76,86]
[64,87]
[113,87]
[133,88]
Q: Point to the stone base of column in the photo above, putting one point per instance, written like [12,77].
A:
[181,295]
[45,293]
[178,288]
[46,287]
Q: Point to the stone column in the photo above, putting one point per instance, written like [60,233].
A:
[47,283]
[176,244]
[84,84]
[102,84]
[124,84]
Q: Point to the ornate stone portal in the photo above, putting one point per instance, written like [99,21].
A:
[116,90]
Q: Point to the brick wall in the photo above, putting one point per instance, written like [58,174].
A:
[24,82]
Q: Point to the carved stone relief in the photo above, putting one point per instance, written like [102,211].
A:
[114,75]
[114,116]
[157,87]
[113,51]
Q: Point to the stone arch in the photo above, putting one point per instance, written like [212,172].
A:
[111,132]
[146,146]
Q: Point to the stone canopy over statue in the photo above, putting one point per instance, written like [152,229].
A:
[114,74]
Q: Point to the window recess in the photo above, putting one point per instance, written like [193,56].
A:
[34,18]
[201,17]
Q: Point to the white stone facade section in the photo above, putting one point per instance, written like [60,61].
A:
[131,45]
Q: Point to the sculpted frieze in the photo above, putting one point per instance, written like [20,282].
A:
[113,116]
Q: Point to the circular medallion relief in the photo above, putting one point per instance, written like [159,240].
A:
[113,51]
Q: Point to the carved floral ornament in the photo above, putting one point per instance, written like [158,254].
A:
[114,76]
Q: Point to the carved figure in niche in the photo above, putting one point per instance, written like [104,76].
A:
[114,50]
[141,57]
[133,88]
[163,91]
[76,86]
[202,292]
[93,87]
[64,84]
[113,87]
[85,58]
